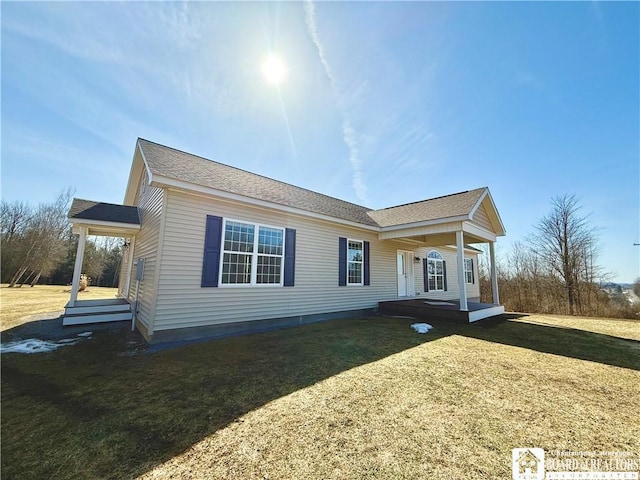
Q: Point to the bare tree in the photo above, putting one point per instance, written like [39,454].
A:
[566,244]
[36,238]
[14,218]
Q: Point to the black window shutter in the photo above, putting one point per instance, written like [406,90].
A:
[342,262]
[367,278]
[289,257]
[425,267]
[444,274]
[473,273]
[211,257]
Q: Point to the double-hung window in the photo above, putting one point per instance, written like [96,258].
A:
[353,262]
[355,256]
[435,271]
[252,254]
[468,270]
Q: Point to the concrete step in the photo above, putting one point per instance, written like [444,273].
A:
[96,318]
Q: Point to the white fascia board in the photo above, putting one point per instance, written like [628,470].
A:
[430,229]
[478,232]
[487,194]
[502,231]
[478,203]
[134,180]
[144,160]
[106,231]
[425,223]
[78,222]
[179,185]
[130,191]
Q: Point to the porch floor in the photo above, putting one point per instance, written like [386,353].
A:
[424,308]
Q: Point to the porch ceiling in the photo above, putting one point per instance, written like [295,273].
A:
[440,234]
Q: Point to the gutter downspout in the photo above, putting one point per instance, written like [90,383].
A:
[139,275]
[135,306]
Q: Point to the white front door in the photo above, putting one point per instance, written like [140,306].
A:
[405,273]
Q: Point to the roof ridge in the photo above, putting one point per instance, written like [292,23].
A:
[429,199]
[253,173]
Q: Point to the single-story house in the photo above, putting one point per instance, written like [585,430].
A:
[212,249]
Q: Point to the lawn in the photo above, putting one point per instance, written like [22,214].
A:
[18,304]
[359,398]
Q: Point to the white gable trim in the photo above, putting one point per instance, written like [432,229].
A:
[478,203]
[487,194]
[135,174]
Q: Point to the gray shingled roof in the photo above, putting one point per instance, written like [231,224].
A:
[182,166]
[441,207]
[105,212]
[186,167]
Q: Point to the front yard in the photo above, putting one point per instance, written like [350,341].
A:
[361,398]
[17,304]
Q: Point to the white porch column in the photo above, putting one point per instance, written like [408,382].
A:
[132,245]
[494,275]
[77,269]
[462,284]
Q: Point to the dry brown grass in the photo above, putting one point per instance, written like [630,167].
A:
[350,399]
[629,329]
[17,305]
[453,408]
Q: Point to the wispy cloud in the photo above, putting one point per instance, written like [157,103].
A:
[349,134]
[149,44]
[310,18]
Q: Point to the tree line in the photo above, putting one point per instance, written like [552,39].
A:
[38,246]
[555,270]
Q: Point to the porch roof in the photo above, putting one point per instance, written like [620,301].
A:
[102,218]
[448,206]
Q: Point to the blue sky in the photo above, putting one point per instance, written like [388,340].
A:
[382,104]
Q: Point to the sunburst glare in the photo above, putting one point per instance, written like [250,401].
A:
[274,70]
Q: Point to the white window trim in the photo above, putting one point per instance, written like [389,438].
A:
[254,256]
[361,262]
[435,275]
[468,279]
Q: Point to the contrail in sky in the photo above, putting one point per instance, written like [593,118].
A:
[349,135]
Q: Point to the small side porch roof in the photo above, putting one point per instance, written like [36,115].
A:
[106,219]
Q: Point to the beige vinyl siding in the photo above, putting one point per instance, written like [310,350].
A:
[122,277]
[450,257]
[481,219]
[182,302]
[150,201]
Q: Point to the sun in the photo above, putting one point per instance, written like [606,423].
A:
[274,70]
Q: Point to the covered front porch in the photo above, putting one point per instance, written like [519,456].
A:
[101,219]
[422,308]
[473,219]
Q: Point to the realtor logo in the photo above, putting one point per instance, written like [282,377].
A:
[527,463]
